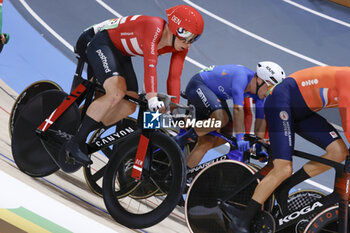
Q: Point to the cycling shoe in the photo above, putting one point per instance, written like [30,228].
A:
[74,154]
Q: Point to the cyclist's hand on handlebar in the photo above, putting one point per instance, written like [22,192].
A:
[260,153]
[154,104]
[241,144]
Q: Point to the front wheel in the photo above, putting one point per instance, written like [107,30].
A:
[163,171]
[214,182]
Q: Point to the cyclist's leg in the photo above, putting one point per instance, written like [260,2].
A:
[105,61]
[319,131]
[124,108]
[204,144]
[279,117]
[228,127]
[207,106]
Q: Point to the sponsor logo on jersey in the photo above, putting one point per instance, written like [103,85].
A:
[203,98]
[222,90]
[309,82]
[126,33]
[333,134]
[104,60]
[153,44]
[284,115]
[296,214]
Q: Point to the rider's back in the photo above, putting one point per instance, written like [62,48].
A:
[320,85]
[220,79]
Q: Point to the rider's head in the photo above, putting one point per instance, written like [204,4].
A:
[270,73]
[185,22]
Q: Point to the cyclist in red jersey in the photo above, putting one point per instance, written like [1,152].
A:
[291,108]
[109,55]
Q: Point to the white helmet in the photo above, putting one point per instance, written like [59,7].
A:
[270,72]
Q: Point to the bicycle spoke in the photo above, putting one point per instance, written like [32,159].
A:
[99,174]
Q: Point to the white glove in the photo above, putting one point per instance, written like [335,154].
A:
[154,104]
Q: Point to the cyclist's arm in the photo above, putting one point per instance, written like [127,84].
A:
[260,127]
[174,77]
[260,122]
[239,83]
[238,119]
[151,37]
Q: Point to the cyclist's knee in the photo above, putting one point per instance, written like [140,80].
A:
[205,143]
[337,150]
[115,89]
[283,168]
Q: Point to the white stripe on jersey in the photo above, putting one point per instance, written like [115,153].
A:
[134,17]
[325,96]
[253,110]
[135,45]
[127,48]
[123,19]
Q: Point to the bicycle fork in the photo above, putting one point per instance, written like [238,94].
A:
[343,188]
[140,157]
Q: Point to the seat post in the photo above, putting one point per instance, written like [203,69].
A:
[77,79]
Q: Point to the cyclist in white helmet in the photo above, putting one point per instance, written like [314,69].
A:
[208,91]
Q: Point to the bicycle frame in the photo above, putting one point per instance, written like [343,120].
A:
[339,195]
[242,157]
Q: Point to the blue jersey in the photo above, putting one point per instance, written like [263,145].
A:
[230,82]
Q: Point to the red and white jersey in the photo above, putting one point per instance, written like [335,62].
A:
[250,117]
[139,35]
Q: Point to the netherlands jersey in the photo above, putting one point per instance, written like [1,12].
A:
[326,87]
[139,35]
[320,85]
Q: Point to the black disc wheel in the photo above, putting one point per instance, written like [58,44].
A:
[216,181]
[132,202]
[94,173]
[28,151]
[26,95]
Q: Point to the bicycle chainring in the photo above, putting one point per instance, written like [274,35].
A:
[263,223]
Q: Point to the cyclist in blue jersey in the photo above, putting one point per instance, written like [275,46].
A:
[208,91]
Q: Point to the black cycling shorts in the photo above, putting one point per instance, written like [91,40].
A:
[82,43]
[107,61]
[204,99]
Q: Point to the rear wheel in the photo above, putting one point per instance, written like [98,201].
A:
[26,95]
[28,151]
[132,202]
[216,181]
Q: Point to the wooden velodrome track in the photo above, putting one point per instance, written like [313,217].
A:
[69,189]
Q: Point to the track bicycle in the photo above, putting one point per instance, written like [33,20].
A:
[39,163]
[51,118]
[230,182]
